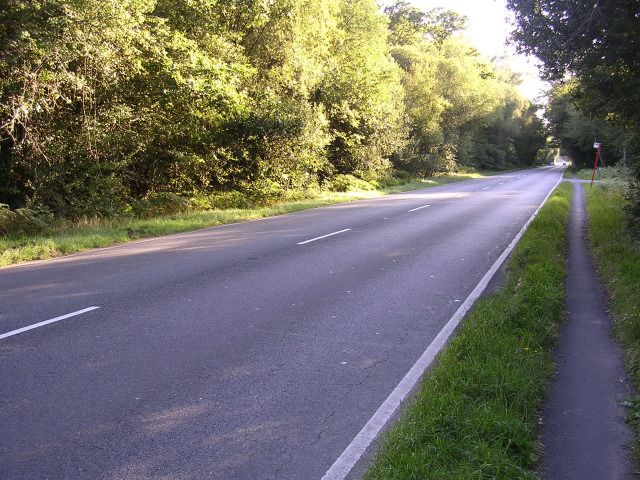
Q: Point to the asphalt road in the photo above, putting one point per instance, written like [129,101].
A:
[240,352]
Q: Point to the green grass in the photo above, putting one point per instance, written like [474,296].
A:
[615,173]
[476,414]
[72,238]
[617,257]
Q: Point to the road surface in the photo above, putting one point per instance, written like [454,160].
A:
[249,351]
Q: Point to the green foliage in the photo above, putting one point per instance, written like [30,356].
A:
[461,109]
[616,173]
[408,25]
[596,45]
[362,93]
[348,183]
[575,132]
[228,199]
[23,221]
[578,37]
[105,104]
[158,204]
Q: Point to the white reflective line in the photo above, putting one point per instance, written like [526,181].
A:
[500,183]
[354,451]
[486,188]
[46,322]
[324,236]
[418,208]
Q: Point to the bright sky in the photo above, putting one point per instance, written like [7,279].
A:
[488,27]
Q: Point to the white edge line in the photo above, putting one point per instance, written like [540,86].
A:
[418,208]
[46,322]
[324,236]
[350,456]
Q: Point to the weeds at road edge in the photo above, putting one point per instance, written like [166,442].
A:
[477,412]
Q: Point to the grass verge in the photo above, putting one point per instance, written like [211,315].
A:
[72,238]
[616,173]
[476,414]
[617,257]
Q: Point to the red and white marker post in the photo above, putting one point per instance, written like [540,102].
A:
[595,163]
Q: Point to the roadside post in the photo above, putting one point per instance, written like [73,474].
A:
[596,145]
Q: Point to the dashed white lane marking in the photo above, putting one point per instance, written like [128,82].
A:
[324,236]
[46,322]
[486,188]
[354,451]
[500,183]
[418,208]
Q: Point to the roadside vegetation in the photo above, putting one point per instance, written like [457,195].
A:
[617,256]
[141,108]
[477,412]
[617,173]
[36,237]
[594,95]
[594,99]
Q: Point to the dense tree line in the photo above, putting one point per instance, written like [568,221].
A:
[575,132]
[590,50]
[104,104]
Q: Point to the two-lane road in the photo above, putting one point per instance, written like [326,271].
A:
[248,351]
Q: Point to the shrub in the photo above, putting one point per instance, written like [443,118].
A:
[160,203]
[348,183]
[229,199]
[392,181]
[264,191]
[23,221]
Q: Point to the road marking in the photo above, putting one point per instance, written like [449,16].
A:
[354,451]
[500,183]
[46,322]
[486,188]
[324,236]
[418,208]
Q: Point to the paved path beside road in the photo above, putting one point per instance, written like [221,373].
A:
[584,431]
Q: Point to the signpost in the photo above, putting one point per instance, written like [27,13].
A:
[596,145]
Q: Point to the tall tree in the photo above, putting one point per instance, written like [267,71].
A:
[598,41]
[595,43]
[362,92]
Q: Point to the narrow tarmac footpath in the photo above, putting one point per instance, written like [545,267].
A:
[584,433]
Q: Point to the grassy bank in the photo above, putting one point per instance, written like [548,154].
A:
[617,257]
[476,414]
[616,173]
[69,238]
